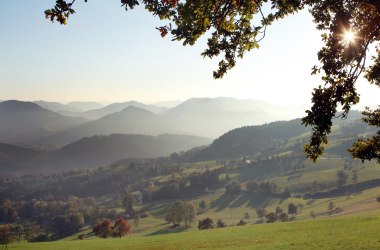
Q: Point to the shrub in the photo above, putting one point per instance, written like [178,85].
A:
[283,217]
[40,238]
[205,224]
[220,223]
[271,217]
[242,223]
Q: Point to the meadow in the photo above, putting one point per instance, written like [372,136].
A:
[336,233]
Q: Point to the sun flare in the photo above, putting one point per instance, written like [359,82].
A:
[349,36]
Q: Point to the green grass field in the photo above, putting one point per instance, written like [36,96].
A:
[335,233]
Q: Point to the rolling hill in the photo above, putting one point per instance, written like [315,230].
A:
[20,160]
[23,122]
[103,150]
[93,152]
[131,120]
[251,140]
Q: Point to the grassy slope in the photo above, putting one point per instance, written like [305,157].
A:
[349,233]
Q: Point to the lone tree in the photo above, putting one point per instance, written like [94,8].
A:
[331,207]
[350,28]
[355,176]
[292,209]
[313,214]
[341,178]
[181,211]
[127,202]
[5,235]
[247,216]
[261,213]
[136,221]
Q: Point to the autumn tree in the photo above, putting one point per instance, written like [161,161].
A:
[350,28]
[103,229]
[121,227]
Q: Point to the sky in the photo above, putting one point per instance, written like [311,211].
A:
[106,54]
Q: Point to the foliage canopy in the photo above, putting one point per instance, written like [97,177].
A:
[235,27]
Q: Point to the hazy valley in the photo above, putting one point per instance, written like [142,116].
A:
[157,156]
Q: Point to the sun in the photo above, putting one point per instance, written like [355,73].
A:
[349,36]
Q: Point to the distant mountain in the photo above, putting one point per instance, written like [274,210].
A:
[103,150]
[71,108]
[167,104]
[22,122]
[93,152]
[131,120]
[56,106]
[84,106]
[205,117]
[117,107]
[214,116]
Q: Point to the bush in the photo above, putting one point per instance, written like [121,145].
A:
[283,217]
[40,238]
[378,199]
[205,224]
[144,214]
[81,236]
[271,217]
[220,223]
[242,223]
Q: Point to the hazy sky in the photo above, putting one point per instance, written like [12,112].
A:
[108,54]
